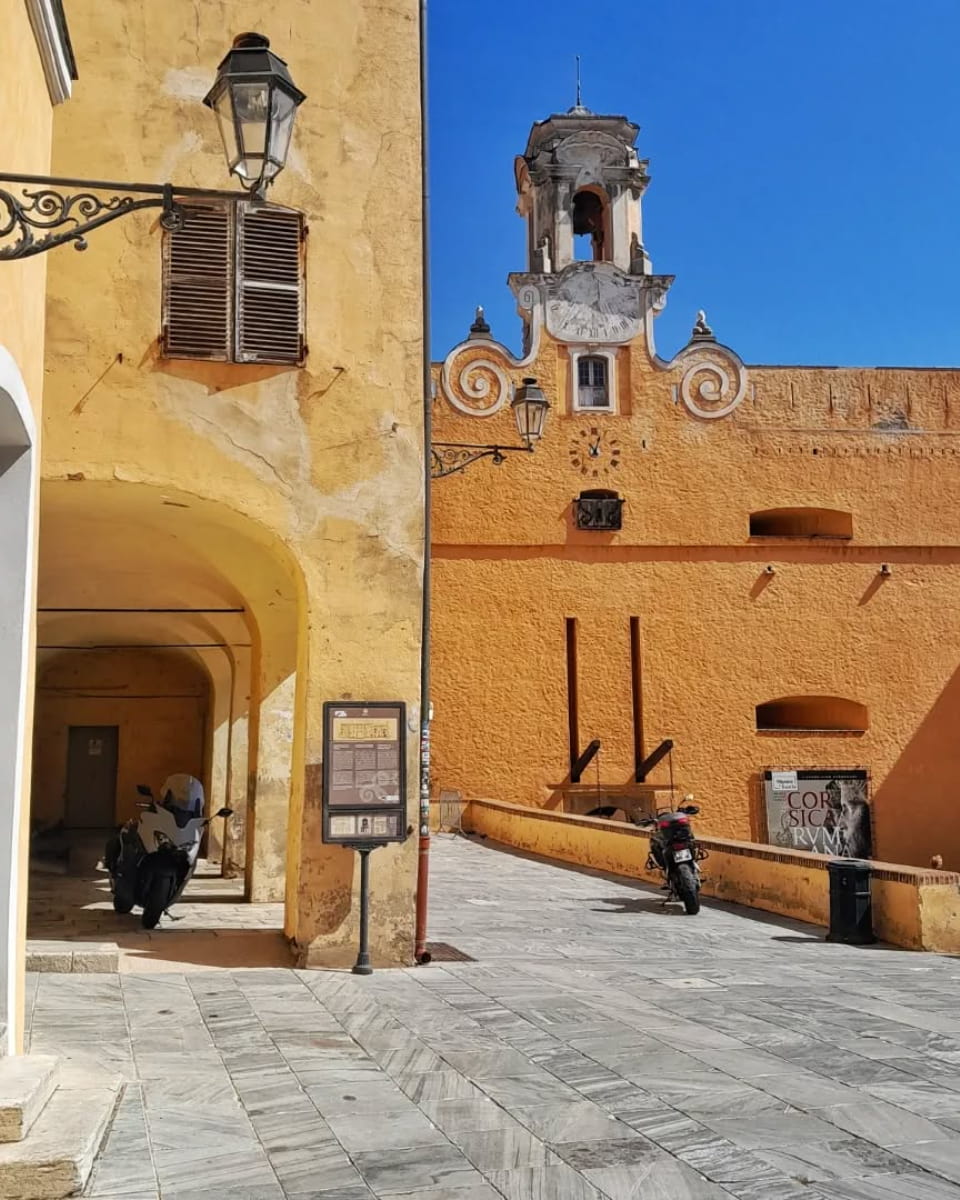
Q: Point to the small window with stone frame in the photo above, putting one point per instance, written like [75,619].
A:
[593,390]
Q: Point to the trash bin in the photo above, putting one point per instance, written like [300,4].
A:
[851,904]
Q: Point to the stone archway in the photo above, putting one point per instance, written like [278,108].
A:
[133,576]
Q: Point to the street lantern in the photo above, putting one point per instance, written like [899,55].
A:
[255,101]
[530,408]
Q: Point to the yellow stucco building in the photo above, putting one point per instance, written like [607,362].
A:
[752,567]
[231,504]
[38,76]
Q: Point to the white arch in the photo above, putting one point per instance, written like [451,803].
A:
[18,557]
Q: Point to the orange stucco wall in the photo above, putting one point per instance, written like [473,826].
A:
[719,635]
[911,908]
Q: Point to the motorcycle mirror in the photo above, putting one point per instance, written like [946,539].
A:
[144,790]
[225,812]
[690,809]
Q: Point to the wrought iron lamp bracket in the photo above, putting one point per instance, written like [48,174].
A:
[447,458]
[44,212]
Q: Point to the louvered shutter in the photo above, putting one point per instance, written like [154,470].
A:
[269,289]
[198,275]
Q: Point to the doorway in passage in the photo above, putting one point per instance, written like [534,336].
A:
[92,777]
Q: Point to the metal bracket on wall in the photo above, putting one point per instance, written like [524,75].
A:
[43,212]
[447,458]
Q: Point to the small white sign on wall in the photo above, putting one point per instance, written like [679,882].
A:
[783,781]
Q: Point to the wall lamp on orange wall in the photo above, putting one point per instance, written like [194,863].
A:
[256,102]
[530,408]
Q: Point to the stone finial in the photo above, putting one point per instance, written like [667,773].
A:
[701,330]
[480,329]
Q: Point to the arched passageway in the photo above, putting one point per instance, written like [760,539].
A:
[168,637]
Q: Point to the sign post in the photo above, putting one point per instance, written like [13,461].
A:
[362,965]
[364,787]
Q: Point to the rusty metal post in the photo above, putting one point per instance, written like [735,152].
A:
[420,952]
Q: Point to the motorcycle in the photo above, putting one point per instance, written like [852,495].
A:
[152,858]
[675,853]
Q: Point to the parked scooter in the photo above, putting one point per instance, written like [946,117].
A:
[153,856]
[675,853]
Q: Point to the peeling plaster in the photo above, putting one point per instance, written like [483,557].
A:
[187,83]
[263,432]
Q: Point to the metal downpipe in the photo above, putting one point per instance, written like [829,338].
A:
[421,953]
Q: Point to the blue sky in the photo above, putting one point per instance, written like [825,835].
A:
[804,154]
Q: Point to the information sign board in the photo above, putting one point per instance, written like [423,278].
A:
[364,772]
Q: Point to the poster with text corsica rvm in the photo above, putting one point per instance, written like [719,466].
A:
[827,812]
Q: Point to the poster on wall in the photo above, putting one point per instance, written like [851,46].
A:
[824,811]
[364,777]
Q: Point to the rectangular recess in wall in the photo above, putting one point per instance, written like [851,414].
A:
[573,701]
[636,691]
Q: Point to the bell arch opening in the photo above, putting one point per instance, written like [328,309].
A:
[591,225]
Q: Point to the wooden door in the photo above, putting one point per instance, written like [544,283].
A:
[92,777]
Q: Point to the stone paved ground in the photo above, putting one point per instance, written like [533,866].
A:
[214,928]
[598,1047]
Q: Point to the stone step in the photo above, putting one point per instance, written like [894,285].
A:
[26,1084]
[56,1157]
[81,958]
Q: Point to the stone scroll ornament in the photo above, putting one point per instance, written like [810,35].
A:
[474,377]
[714,380]
[476,384]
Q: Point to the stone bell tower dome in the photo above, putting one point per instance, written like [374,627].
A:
[581,177]
[580,174]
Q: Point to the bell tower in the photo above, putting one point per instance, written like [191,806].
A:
[580,175]
[589,280]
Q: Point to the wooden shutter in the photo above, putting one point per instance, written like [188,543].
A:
[269,290]
[198,273]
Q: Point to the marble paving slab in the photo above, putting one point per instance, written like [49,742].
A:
[598,1048]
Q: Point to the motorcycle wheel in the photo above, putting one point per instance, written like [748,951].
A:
[159,891]
[687,890]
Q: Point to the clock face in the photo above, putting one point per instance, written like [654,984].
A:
[593,454]
[593,304]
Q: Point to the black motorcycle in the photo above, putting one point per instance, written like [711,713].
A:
[675,853]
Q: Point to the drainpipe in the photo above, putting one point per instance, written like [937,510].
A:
[421,953]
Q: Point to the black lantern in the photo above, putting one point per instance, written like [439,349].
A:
[255,101]
[530,407]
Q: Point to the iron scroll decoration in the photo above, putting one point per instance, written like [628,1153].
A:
[447,458]
[53,214]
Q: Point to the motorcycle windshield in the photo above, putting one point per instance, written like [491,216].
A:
[185,793]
